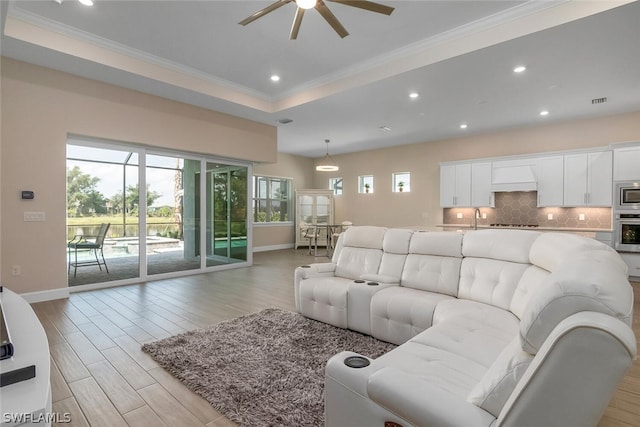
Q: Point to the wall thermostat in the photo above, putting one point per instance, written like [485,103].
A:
[27,195]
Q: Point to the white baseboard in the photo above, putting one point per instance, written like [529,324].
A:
[49,295]
[272,247]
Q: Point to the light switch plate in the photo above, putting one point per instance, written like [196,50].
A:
[459,215]
[34,216]
[581,217]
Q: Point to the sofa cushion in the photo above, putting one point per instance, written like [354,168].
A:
[364,237]
[497,384]
[452,372]
[432,273]
[396,241]
[551,250]
[503,245]
[441,243]
[490,281]
[354,262]
[398,314]
[592,281]
[533,279]
[476,330]
[325,299]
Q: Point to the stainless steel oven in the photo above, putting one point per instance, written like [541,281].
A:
[627,231]
[627,195]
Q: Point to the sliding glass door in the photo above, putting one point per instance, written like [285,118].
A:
[153,201]
[171,218]
[226,214]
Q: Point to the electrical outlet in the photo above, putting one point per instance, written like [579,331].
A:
[549,216]
[581,217]
[16,270]
[459,215]
[484,216]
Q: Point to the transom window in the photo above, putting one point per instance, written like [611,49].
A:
[365,184]
[401,182]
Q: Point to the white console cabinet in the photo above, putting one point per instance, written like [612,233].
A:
[28,402]
[313,207]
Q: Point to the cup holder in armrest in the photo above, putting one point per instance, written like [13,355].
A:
[357,362]
[305,266]
[373,283]
[358,281]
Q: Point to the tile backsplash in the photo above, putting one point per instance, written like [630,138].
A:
[519,207]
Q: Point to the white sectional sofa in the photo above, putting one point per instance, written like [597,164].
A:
[495,327]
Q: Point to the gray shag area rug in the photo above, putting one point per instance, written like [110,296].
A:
[262,369]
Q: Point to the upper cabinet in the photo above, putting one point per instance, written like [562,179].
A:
[455,185]
[481,195]
[579,178]
[588,179]
[626,163]
[550,180]
[465,185]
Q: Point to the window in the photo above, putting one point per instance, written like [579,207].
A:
[401,182]
[271,197]
[335,184]
[365,184]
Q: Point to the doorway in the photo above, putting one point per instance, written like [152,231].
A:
[152,201]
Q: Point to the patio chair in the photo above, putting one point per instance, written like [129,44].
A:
[88,243]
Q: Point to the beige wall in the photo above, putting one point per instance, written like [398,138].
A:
[301,170]
[40,107]
[420,207]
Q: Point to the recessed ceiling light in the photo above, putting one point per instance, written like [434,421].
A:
[275,78]
[519,69]
[544,113]
[414,95]
[463,126]
[86,2]
[284,121]
[384,128]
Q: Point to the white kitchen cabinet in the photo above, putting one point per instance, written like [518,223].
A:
[455,185]
[481,195]
[550,177]
[588,179]
[313,207]
[633,262]
[626,163]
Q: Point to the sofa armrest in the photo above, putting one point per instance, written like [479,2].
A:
[422,403]
[324,269]
[381,278]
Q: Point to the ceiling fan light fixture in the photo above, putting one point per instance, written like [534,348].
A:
[306,4]
[327,164]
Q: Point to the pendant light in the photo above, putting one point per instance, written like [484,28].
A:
[327,164]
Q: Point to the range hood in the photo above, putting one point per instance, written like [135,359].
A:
[513,177]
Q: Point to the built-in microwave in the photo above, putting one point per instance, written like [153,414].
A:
[627,195]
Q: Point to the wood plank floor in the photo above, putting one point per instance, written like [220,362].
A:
[100,376]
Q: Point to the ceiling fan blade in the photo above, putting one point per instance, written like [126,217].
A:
[367,5]
[296,24]
[264,11]
[331,19]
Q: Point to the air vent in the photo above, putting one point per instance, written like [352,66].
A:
[599,100]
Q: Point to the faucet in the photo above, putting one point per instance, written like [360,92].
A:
[476,215]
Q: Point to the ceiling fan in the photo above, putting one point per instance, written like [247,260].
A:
[322,8]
